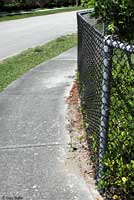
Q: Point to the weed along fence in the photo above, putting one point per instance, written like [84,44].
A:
[106,84]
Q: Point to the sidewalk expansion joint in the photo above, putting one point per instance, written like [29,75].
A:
[31,146]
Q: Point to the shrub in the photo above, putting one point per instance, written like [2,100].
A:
[1,5]
[118,16]
[26,4]
[118,176]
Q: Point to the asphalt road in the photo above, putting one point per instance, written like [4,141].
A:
[18,35]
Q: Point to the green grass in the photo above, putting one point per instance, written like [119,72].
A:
[14,67]
[39,13]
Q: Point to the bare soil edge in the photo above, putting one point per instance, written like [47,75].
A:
[79,153]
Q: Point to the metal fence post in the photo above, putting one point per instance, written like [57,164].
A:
[105,104]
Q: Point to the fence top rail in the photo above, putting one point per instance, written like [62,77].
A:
[84,12]
[108,40]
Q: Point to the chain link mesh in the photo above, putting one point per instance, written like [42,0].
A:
[106,85]
[90,68]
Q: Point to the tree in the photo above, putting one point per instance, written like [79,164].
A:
[1,4]
[118,16]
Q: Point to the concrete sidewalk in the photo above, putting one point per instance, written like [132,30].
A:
[33,136]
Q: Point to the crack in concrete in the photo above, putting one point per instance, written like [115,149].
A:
[32,146]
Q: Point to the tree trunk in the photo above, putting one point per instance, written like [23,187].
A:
[77,3]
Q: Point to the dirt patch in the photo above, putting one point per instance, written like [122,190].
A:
[79,153]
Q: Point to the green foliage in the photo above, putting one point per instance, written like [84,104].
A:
[118,16]
[1,4]
[17,5]
[118,176]
[87,3]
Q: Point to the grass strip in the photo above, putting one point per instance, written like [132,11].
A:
[14,67]
[39,13]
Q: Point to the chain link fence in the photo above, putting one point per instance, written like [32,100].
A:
[106,85]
